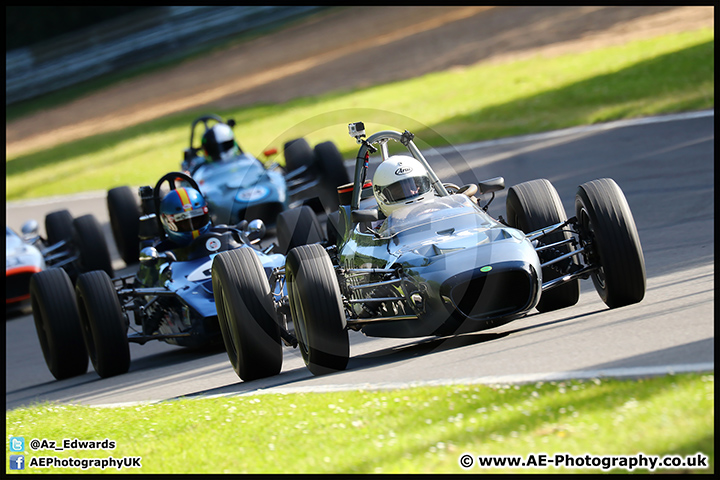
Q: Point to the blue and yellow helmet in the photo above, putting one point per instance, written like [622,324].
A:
[184,215]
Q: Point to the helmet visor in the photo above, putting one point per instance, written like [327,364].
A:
[188,221]
[404,189]
[216,150]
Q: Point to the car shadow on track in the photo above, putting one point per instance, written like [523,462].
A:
[382,357]
[56,385]
[432,345]
[175,357]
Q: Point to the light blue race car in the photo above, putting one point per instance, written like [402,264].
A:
[237,185]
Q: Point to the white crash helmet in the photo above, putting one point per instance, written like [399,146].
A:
[218,143]
[401,180]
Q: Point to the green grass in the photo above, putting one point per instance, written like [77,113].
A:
[415,430]
[667,74]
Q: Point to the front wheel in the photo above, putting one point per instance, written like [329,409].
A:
[57,322]
[608,231]
[246,314]
[534,205]
[103,324]
[298,154]
[317,311]
[58,226]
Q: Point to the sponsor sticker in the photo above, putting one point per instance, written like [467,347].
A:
[403,170]
[213,244]
[252,193]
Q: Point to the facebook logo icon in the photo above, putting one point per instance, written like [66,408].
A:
[17,444]
[17,462]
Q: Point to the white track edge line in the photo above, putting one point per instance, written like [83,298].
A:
[627,372]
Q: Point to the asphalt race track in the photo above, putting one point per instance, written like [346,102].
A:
[665,167]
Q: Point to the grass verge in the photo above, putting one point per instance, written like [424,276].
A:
[667,74]
[414,430]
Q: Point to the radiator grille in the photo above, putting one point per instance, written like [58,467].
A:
[493,294]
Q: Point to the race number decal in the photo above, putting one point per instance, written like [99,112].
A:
[213,244]
[252,193]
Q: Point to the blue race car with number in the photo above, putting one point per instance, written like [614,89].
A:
[243,187]
[170,298]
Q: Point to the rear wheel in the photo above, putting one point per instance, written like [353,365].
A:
[332,173]
[104,326]
[534,205]
[57,322]
[298,154]
[59,226]
[246,314]
[609,232]
[317,310]
[298,226]
[91,244]
[125,222]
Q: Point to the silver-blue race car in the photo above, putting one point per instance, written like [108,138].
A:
[411,256]
[237,185]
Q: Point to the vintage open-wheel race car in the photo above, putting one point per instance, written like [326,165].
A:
[436,268]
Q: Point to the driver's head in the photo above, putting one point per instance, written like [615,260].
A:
[184,215]
[218,143]
[401,180]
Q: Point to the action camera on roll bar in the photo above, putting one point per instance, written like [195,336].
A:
[357,130]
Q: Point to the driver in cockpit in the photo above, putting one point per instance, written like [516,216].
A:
[184,217]
[400,181]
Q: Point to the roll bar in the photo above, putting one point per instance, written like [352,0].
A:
[381,138]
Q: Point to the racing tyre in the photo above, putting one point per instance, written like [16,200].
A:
[57,322]
[332,174]
[104,327]
[59,226]
[608,230]
[125,223]
[534,205]
[317,310]
[298,226]
[91,245]
[298,154]
[332,228]
[246,314]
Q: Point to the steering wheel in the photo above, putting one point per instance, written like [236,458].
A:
[470,189]
[451,188]
[170,178]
